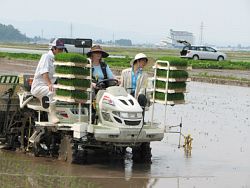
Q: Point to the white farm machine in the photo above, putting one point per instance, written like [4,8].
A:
[110,121]
[118,123]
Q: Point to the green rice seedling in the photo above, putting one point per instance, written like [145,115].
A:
[173,73]
[171,85]
[71,57]
[73,70]
[74,82]
[170,96]
[177,85]
[76,94]
[173,61]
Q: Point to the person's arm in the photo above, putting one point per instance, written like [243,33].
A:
[144,84]
[48,81]
[122,79]
[109,73]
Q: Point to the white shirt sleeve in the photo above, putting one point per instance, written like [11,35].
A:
[44,66]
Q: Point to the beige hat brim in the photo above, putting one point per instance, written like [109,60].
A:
[104,54]
[133,61]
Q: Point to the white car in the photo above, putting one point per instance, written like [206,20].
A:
[202,52]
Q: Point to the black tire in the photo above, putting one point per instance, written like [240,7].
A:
[142,154]
[220,58]
[196,57]
[36,149]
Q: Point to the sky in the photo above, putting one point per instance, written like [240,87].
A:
[226,22]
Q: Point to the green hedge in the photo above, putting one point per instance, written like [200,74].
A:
[76,94]
[170,97]
[74,82]
[71,57]
[73,70]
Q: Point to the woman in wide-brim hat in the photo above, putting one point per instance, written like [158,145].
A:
[134,79]
[100,70]
[97,48]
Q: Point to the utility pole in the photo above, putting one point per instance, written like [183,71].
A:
[42,33]
[113,39]
[201,33]
[71,30]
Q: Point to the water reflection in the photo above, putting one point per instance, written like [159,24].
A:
[217,117]
[24,171]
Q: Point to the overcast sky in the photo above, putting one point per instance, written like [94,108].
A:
[226,22]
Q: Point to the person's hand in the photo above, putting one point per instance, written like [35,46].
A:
[93,85]
[51,88]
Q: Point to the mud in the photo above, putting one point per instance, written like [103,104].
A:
[216,116]
[8,66]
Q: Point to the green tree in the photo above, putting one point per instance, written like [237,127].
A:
[10,34]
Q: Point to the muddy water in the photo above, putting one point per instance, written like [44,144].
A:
[216,116]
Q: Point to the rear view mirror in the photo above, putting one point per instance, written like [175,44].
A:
[142,100]
[83,43]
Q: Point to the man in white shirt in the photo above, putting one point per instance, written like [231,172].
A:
[42,84]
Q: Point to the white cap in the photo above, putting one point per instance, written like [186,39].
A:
[138,56]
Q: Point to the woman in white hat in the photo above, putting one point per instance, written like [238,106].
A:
[134,79]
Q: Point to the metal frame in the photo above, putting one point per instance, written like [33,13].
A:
[166,90]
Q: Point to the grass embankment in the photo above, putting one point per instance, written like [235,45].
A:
[207,75]
[233,65]
[125,62]
[23,56]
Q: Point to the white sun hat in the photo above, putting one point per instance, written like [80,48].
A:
[138,56]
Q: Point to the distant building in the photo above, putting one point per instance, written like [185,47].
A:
[181,35]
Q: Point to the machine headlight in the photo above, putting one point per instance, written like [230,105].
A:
[106,116]
[139,115]
[128,115]
[124,114]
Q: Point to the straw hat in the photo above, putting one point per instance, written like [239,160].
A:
[97,48]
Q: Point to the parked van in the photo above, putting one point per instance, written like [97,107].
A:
[78,45]
[201,52]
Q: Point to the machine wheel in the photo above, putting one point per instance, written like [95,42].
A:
[195,57]
[142,154]
[68,151]
[37,149]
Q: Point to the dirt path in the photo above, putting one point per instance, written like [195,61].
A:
[11,66]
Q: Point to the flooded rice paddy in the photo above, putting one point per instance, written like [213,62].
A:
[216,116]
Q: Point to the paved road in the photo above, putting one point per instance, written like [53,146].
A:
[15,50]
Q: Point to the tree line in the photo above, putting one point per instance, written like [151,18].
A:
[10,34]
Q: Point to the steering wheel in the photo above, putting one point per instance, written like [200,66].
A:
[103,84]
